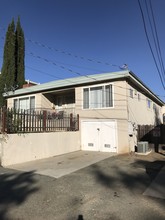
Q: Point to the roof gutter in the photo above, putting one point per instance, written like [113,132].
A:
[140,84]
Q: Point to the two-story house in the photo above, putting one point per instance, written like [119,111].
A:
[110,106]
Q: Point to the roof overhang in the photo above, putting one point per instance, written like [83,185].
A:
[84,80]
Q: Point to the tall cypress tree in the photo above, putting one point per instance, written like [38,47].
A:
[20,55]
[12,72]
[8,67]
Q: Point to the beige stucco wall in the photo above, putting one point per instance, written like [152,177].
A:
[139,113]
[128,112]
[41,102]
[123,137]
[119,112]
[19,148]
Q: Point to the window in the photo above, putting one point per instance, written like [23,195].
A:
[148,103]
[131,93]
[154,107]
[86,98]
[32,102]
[16,106]
[139,97]
[98,97]
[25,103]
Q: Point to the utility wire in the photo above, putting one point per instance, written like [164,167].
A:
[149,43]
[68,53]
[55,64]
[155,37]
[70,79]
[156,33]
[63,64]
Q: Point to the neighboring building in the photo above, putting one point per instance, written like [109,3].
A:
[110,106]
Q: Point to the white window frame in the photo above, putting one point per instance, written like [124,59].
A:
[28,98]
[89,104]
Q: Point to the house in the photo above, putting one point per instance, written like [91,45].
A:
[110,107]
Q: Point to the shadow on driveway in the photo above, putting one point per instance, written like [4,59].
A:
[15,187]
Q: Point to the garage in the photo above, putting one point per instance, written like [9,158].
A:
[99,136]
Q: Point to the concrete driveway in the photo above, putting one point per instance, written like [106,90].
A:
[121,187]
[62,165]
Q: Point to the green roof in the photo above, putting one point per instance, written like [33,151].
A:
[69,82]
[81,80]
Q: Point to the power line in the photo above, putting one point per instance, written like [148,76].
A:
[58,65]
[155,37]
[40,71]
[61,66]
[69,53]
[156,34]
[64,64]
[56,77]
[55,64]
[149,43]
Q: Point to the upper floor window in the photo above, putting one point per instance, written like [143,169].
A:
[98,97]
[139,97]
[26,103]
[148,103]
[131,93]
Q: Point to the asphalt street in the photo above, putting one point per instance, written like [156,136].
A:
[116,187]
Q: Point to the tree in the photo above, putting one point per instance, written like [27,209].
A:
[20,55]
[8,67]
[12,72]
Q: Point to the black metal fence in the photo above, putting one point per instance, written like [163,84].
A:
[16,121]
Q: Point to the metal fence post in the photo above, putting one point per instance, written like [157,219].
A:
[71,122]
[77,122]
[44,120]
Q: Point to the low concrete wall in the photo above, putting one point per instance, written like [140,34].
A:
[19,148]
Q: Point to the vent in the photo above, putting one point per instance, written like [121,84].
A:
[107,145]
[142,147]
[90,144]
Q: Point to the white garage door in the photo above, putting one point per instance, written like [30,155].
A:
[99,136]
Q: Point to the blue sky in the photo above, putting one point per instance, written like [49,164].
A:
[65,38]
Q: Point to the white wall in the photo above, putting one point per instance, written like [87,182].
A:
[19,148]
